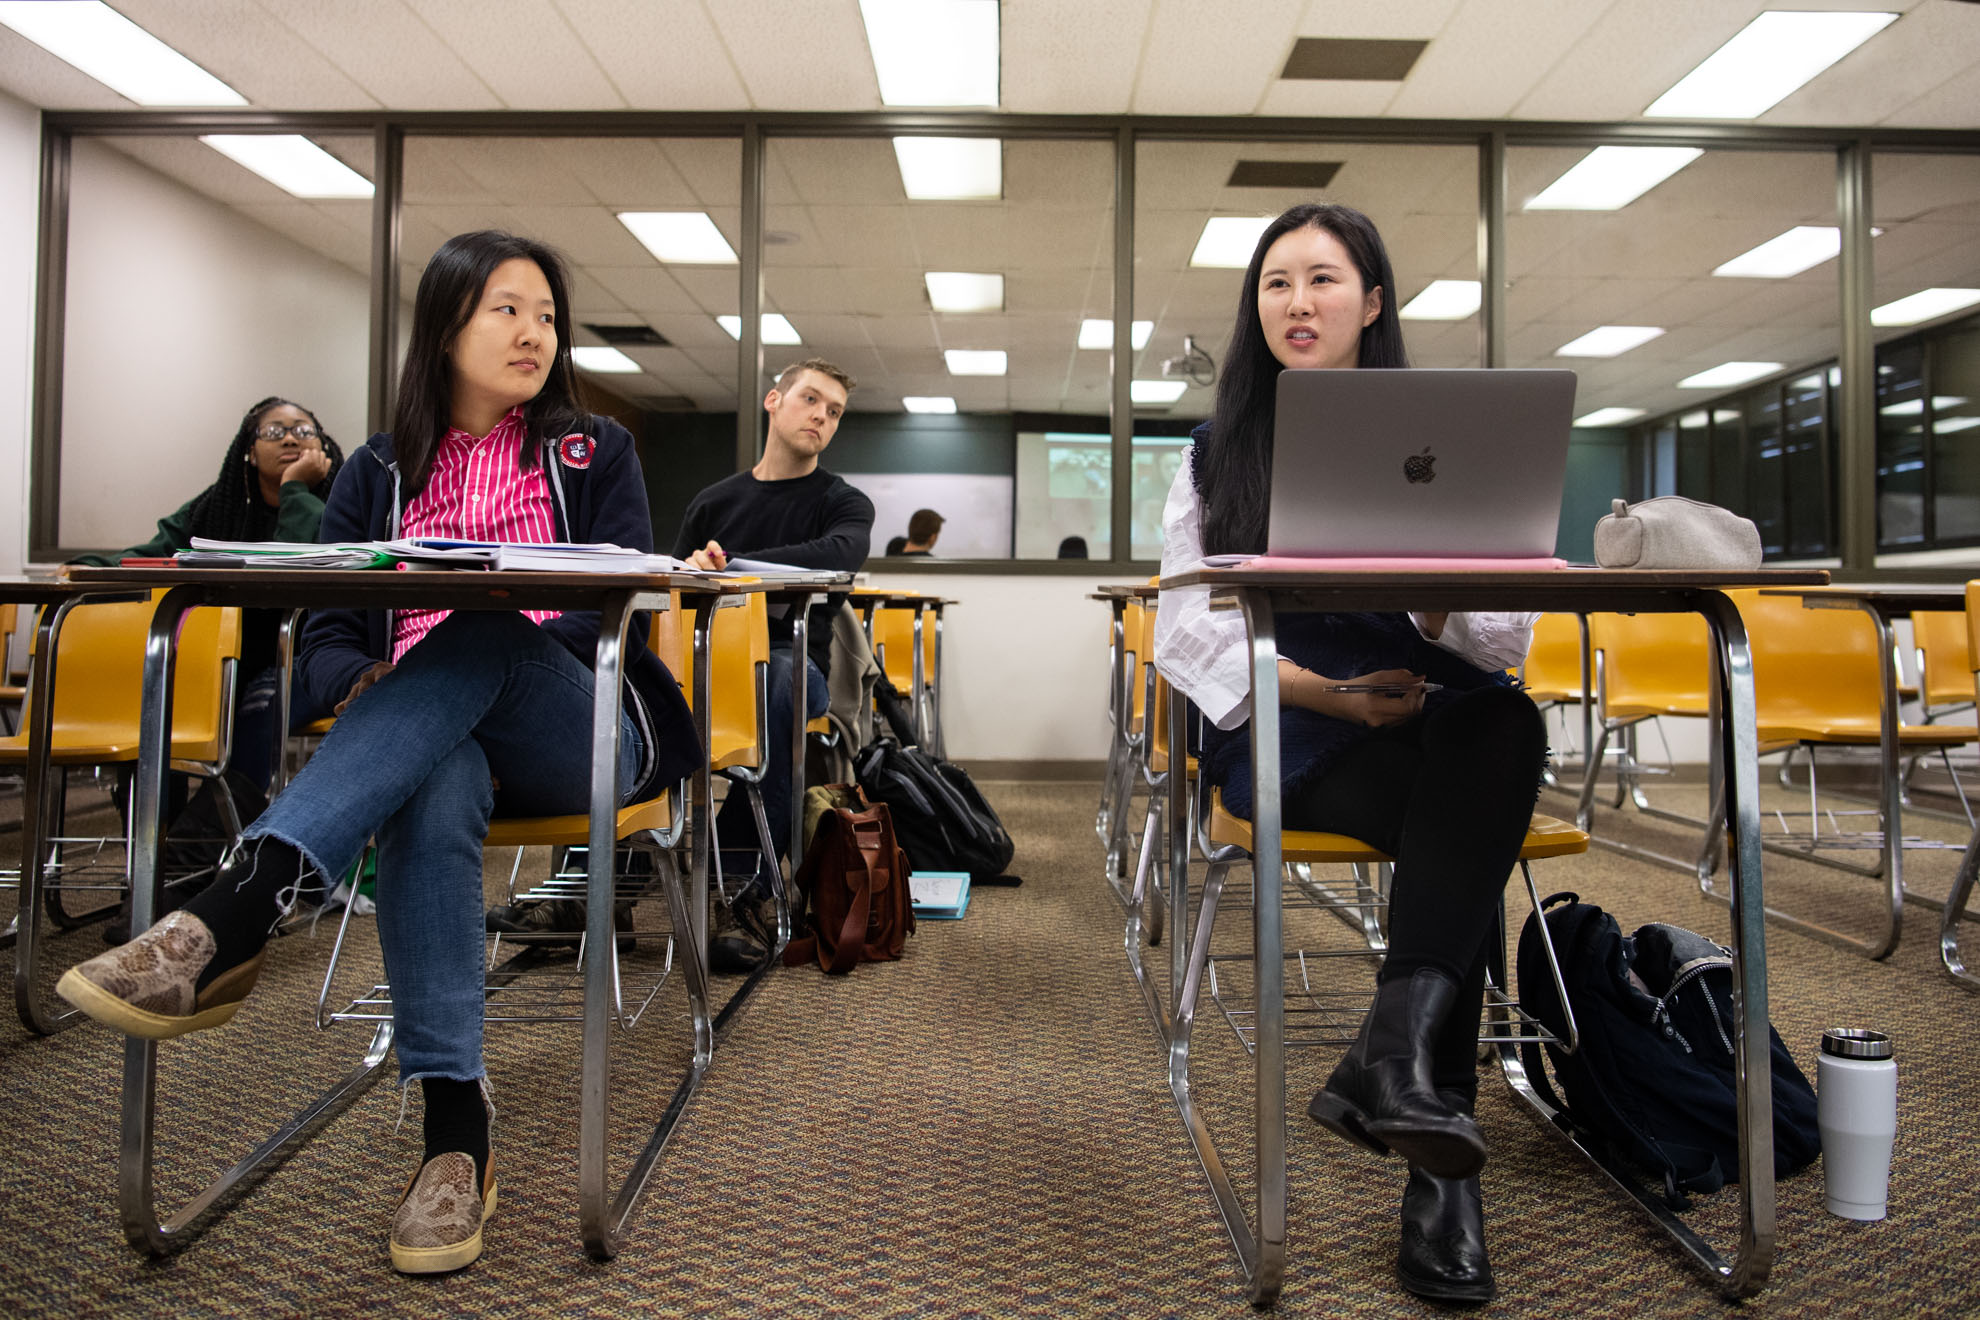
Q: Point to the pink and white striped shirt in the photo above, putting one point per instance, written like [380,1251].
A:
[476,491]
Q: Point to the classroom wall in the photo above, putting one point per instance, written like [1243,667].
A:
[1024,662]
[20,174]
[181,314]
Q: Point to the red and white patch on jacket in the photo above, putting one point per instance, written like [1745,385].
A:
[576,450]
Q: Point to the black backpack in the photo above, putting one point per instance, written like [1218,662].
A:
[1652,1077]
[941,820]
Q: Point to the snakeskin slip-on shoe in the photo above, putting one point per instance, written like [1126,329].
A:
[146,988]
[437,1226]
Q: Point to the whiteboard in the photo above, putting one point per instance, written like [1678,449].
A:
[977,510]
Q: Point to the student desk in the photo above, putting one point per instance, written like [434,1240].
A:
[1117,789]
[1884,604]
[925,688]
[615,596]
[24,933]
[1262,595]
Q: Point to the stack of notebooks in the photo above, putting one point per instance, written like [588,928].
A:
[939,895]
[440,552]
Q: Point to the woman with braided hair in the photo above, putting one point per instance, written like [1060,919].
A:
[271,487]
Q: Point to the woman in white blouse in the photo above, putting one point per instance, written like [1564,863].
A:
[1435,757]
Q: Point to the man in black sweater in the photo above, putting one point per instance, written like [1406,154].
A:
[787,510]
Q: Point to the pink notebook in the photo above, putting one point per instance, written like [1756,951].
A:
[1400,564]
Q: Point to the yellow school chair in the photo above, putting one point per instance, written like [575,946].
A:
[1950,957]
[97,677]
[1553,673]
[1332,1017]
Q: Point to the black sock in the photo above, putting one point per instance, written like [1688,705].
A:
[244,902]
[456,1119]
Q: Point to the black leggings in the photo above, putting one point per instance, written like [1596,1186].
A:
[1449,797]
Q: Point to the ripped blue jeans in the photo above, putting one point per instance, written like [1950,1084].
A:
[483,699]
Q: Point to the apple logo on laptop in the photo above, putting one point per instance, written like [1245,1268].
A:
[1418,467]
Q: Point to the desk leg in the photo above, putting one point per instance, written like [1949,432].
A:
[603,1223]
[1178,844]
[917,683]
[134,1157]
[1891,783]
[702,823]
[1739,757]
[800,685]
[1955,911]
[40,787]
[1103,820]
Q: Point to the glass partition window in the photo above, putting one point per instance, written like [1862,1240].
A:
[952,277]
[1926,315]
[1681,302]
[654,299]
[1199,207]
[197,286]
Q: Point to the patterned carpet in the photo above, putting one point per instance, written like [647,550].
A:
[980,1130]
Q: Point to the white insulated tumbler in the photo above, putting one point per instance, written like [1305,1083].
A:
[1856,1109]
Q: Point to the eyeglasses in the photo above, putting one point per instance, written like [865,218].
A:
[274,431]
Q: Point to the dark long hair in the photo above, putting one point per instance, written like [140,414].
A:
[448,292]
[231,509]
[1233,472]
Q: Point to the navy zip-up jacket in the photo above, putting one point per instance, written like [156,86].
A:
[603,501]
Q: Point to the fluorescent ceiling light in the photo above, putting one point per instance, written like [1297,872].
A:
[1914,407]
[1728,374]
[936,403]
[1800,248]
[1610,178]
[1764,62]
[946,169]
[1951,424]
[1098,332]
[1443,300]
[292,163]
[1156,391]
[602,360]
[1606,341]
[933,52]
[1609,417]
[116,52]
[977,361]
[1925,305]
[1227,241]
[1725,416]
[960,291]
[687,238]
[771,327]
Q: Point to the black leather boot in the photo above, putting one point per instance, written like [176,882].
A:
[1381,1095]
[1442,1255]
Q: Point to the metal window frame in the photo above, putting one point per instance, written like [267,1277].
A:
[1490,139]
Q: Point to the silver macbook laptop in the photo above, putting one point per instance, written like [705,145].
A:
[1421,463]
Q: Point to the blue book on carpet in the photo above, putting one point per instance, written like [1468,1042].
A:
[939,895]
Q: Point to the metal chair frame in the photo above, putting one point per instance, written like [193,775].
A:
[43,875]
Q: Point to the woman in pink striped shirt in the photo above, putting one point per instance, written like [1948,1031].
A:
[444,718]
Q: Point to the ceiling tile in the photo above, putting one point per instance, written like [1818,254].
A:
[524,51]
[658,54]
[1072,59]
[1628,56]
[1480,65]
[799,54]
[390,52]
[199,167]
[1923,49]
[246,47]
[40,79]
[833,172]
[1328,100]
[1196,61]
